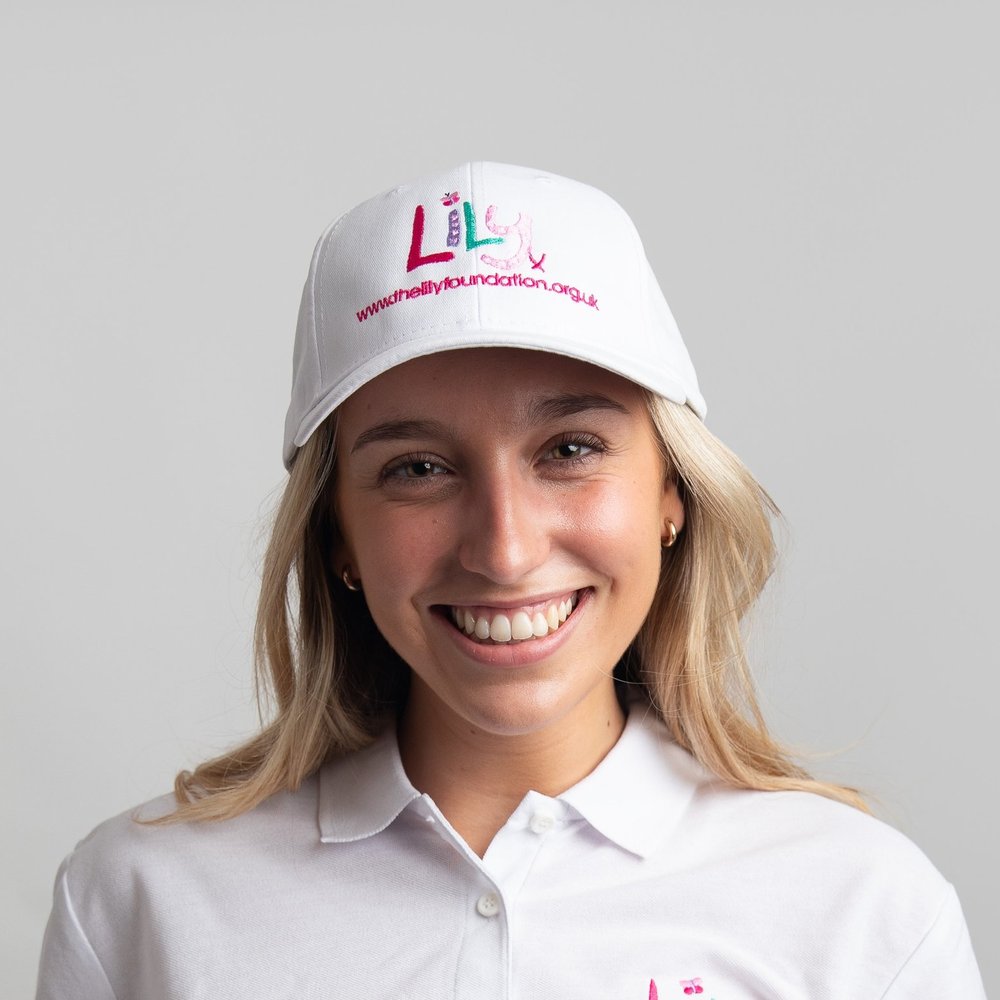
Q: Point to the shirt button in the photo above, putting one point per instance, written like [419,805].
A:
[488,904]
[541,823]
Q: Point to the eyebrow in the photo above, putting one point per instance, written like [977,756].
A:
[566,404]
[399,430]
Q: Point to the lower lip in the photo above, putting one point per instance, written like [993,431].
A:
[516,654]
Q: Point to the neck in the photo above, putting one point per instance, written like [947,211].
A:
[477,777]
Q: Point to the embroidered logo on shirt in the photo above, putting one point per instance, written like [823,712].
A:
[689,986]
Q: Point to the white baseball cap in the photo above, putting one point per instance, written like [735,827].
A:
[482,255]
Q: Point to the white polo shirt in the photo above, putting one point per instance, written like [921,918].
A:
[648,879]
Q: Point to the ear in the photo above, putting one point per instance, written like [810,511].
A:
[342,559]
[341,552]
[671,508]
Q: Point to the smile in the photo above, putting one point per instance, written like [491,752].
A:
[492,625]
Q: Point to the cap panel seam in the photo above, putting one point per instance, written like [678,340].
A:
[473,191]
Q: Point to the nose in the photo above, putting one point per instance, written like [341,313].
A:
[505,530]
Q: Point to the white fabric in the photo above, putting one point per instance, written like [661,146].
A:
[482,255]
[647,870]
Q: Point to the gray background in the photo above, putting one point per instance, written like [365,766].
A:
[816,187]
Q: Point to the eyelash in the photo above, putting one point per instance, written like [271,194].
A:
[398,469]
[591,446]
[594,446]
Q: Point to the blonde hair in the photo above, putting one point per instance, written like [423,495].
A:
[333,679]
[690,655]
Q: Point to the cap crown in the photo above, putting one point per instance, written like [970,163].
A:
[483,255]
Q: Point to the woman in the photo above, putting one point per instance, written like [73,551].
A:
[515,749]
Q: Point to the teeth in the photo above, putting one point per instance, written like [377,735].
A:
[500,629]
[517,627]
[520,626]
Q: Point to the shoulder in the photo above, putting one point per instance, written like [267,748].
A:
[825,879]
[131,856]
[709,822]
[816,891]
[133,895]
[817,841]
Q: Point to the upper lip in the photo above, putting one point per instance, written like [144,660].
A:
[508,604]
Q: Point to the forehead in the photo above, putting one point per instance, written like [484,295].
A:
[506,384]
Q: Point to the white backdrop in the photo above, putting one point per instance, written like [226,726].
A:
[816,188]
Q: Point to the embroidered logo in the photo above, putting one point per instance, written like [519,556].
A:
[522,227]
[515,236]
[689,986]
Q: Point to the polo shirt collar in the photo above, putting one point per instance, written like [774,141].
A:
[361,793]
[634,797]
[639,793]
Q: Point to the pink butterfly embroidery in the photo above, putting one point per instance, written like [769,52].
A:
[450,198]
[691,986]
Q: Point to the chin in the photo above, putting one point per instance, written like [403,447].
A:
[516,710]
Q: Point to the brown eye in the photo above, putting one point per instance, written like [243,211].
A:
[574,448]
[414,467]
[418,469]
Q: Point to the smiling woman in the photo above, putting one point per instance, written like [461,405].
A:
[516,750]
[507,533]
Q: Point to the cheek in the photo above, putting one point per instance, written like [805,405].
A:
[397,550]
[393,562]
[618,524]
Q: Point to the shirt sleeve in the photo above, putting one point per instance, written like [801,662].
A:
[943,964]
[69,968]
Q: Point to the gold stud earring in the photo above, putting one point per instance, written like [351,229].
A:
[349,582]
[671,536]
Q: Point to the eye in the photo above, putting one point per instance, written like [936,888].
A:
[413,467]
[570,449]
[574,448]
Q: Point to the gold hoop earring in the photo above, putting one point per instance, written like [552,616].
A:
[668,540]
[349,582]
